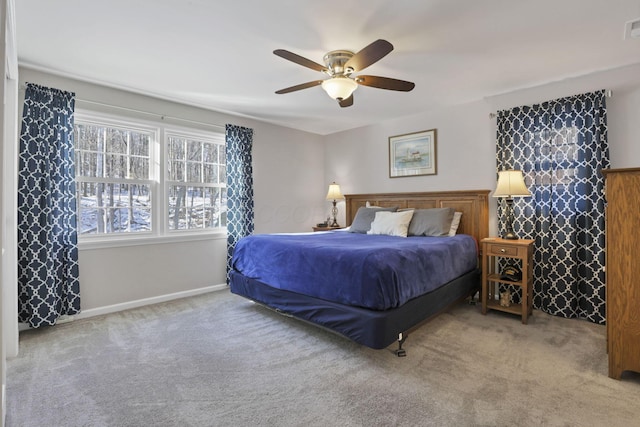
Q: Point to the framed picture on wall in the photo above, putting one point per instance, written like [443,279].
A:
[413,154]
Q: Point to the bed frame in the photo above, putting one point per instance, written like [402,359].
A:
[385,327]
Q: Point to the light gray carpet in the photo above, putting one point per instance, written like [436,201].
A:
[219,360]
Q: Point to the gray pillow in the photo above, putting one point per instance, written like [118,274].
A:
[365,216]
[431,222]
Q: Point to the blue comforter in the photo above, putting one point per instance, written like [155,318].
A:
[373,271]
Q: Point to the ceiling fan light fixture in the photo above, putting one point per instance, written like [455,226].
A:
[339,64]
[339,87]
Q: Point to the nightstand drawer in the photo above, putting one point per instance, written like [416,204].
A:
[502,250]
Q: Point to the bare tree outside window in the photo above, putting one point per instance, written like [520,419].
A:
[120,185]
[112,173]
[197,194]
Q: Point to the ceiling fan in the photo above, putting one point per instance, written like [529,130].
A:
[340,65]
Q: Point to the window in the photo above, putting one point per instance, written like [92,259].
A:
[123,192]
[196,181]
[113,181]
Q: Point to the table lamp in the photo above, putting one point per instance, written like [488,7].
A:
[334,195]
[510,184]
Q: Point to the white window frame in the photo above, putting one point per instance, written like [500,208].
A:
[159,187]
[184,133]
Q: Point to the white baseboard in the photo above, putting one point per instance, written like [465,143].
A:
[146,301]
[92,312]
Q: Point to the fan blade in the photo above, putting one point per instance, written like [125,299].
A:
[299,60]
[346,102]
[369,55]
[299,87]
[385,83]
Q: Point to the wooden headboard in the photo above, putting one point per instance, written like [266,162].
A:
[474,205]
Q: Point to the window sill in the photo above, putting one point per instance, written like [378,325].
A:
[116,242]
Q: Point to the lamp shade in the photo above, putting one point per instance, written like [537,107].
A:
[334,192]
[339,87]
[511,184]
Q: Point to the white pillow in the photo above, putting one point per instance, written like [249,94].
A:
[391,223]
[455,223]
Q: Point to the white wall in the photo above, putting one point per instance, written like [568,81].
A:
[3,55]
[289,189]
[358,159]
[8,111]
[289,182]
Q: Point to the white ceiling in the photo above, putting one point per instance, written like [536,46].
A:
[218,54]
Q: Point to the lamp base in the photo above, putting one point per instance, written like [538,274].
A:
[334,213]
[509,234]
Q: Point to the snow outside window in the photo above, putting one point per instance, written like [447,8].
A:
[123,192]
[196,182]
[113,178]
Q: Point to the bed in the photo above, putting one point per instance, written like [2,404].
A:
[372,289]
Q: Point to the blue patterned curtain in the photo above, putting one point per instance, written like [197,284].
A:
[561,146]
[239,142]
[48,284]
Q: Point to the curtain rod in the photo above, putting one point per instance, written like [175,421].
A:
[607,93]
[161,116]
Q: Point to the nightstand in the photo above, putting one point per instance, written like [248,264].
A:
[520,250]
[326,228]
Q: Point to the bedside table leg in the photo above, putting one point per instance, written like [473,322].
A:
[526,304]
[483,293]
